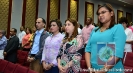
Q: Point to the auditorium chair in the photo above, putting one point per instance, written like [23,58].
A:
[128,63]
[3,65]
[21,69]
[10,68]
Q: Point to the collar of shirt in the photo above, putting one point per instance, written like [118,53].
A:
[56,35]
[3,38]
[22,32]
[12,36]
[39,31]
[88,26]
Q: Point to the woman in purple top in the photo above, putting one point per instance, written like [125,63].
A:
[51,48]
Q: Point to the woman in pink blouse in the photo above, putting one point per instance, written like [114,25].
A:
[25,40]
[51,48]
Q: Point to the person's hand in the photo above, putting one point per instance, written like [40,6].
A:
[61,69]
[4,54]
[91,70]
[23,45]
[28,59]
[32,59]
[47,66]
[66,67]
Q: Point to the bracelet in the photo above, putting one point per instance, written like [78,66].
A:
[104,69]
[90,69]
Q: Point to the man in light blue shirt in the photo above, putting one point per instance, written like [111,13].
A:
[35,47]
[3,42]
[35,54]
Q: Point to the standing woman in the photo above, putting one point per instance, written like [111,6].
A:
[25,40]
[108,31]
[51,48]
[70,52]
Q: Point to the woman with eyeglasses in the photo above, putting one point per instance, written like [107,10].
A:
[108,31]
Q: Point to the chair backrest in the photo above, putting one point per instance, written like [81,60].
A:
[22,54]
[22,57]
[0,60]
[21,69]
[129,59]
[3,65]
[10,68]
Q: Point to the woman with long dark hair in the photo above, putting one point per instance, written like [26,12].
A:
[108,31]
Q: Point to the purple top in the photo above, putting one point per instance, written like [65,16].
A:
[51,48]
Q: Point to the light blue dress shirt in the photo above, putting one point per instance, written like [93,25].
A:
[35,47]
[3,42]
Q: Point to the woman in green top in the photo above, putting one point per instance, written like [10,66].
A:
[106,32]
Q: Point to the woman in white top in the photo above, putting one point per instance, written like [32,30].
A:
[129,34]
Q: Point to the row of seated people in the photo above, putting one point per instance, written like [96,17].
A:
[8,67]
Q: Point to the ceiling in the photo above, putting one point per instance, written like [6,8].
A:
[123,3]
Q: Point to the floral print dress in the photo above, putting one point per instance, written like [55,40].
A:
[71,51]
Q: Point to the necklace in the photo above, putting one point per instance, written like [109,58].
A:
[103,29]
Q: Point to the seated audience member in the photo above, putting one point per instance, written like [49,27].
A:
[51,48]
[25,40]
[129,34]
[3,42]
[10,51]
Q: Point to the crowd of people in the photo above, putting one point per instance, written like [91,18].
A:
[60,49]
